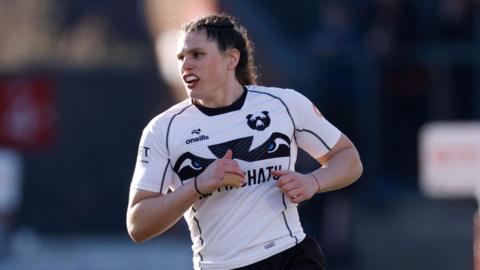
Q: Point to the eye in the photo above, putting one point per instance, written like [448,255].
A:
[189,165]
[180,57]
[197,55]
[273,146]
[195,165]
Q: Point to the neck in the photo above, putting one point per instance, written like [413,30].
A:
[224,98]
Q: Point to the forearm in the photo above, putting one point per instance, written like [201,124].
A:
[153,216]
[342,169]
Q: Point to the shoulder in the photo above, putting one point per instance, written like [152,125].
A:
[164,119]
[287,95]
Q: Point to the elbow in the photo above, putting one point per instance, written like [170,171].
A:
[139,236]
[135,234]
[133,228]
[139,233]
[136,238]
[357,170]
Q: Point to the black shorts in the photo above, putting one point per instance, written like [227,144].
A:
[306,255]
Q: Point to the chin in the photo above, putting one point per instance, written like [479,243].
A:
[191,93]
[194,94]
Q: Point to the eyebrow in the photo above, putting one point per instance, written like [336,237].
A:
[190,51]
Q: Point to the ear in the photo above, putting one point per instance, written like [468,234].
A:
[233,58]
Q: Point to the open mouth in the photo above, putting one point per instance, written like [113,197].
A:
[191,80]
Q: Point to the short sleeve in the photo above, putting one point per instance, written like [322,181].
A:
[152,169]
[314,133]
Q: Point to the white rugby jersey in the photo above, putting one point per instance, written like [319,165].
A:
[234,227]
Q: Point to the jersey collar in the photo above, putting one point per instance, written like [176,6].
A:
[235,106]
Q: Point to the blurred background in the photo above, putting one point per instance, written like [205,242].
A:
[80,79]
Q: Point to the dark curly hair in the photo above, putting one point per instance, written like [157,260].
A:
[228,33]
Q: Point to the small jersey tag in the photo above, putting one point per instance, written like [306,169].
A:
[269,245]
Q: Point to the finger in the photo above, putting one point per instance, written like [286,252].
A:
[279,172]
[292,185]
[228,154]
[293,193]
[232,179]
[298,199]
[285,179]
[229,162]
[233,168]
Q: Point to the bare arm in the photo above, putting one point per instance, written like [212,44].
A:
[341,167]
[150,214]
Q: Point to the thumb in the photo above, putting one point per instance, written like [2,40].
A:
[228,154]
[279,172]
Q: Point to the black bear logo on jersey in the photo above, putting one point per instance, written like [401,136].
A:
[259,122]
[277,145]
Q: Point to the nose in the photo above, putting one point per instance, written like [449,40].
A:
[185,64]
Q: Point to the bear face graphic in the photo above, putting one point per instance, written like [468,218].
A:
[258,122]
[189,165]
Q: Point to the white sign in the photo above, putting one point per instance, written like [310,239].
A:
[450,159]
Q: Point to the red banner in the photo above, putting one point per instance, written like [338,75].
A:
[28,112]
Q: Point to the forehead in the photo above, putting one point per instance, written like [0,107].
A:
[194,40]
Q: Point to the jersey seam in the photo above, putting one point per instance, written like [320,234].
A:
[285,220]
[284,104]
[200,236]
[170,124]
[163,177]
[317,136]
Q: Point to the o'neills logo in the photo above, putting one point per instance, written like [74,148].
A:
[197,139]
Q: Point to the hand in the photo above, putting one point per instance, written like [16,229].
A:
[296,186]
[213,176]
